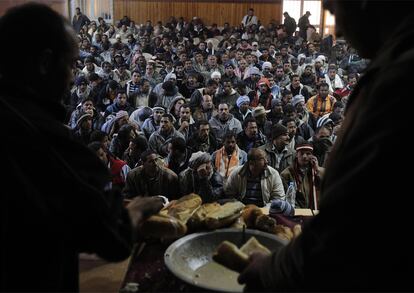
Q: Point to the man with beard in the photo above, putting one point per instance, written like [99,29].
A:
[322,103]
[201,178]
[306,175]
[152,123]
[229,156]
[150,179]
[255,182]
[185,124]
[203,140]
[223,122]
[279,156]
[250,137]
[160,139]
[178,156]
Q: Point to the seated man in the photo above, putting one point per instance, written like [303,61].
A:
[255,182]
[178,155]
[229,156]
[279,156]
[203,140]
[150,179]
[201,178]
[306,176]
[159,140]
[250,137]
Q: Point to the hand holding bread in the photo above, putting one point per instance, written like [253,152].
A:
[230,256]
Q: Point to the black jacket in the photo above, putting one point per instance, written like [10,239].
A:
[359,241]
[56,207]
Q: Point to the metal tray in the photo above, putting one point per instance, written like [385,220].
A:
[190,258]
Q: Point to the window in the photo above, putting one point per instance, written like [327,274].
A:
[94,9]
[329,28]
[297,8]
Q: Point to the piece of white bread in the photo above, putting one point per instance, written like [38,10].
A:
[233,258]
[252,246]
[230,256]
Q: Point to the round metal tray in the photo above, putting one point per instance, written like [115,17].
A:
[190,258]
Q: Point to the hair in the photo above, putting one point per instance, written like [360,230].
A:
[98,136]
[211,82]
[286,120]
[229,134]
[140,142]
[169,116]
[186,105]
[203,122]
[95,146]
[177,143]
[338,104]
[323,84]
[247,121]
[146,154]
[286,92]
[86,99]
[120,91]
[252,154]
[49,36]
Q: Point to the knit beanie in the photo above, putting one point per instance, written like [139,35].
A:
[278,206]
[297,99]
[241,100]
[82,118]
[278,130]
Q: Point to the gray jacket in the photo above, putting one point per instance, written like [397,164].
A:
[220,129]
[271,184]
[285,161]
[159,143]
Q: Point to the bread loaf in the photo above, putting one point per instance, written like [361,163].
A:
[265,223]
[197,221]
[183,208]
[225,216]
[163,226]
[250,214]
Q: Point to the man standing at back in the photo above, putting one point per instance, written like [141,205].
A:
[303,24]
[79,20]
[59,206]
[290,24]
[249,19]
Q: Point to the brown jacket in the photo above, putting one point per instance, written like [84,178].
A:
[138,184]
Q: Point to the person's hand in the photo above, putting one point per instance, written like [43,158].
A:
[184,125]
[203,171]
[140,208]
[251,275]
[314,161]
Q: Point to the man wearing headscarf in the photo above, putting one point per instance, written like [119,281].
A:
[201,178]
